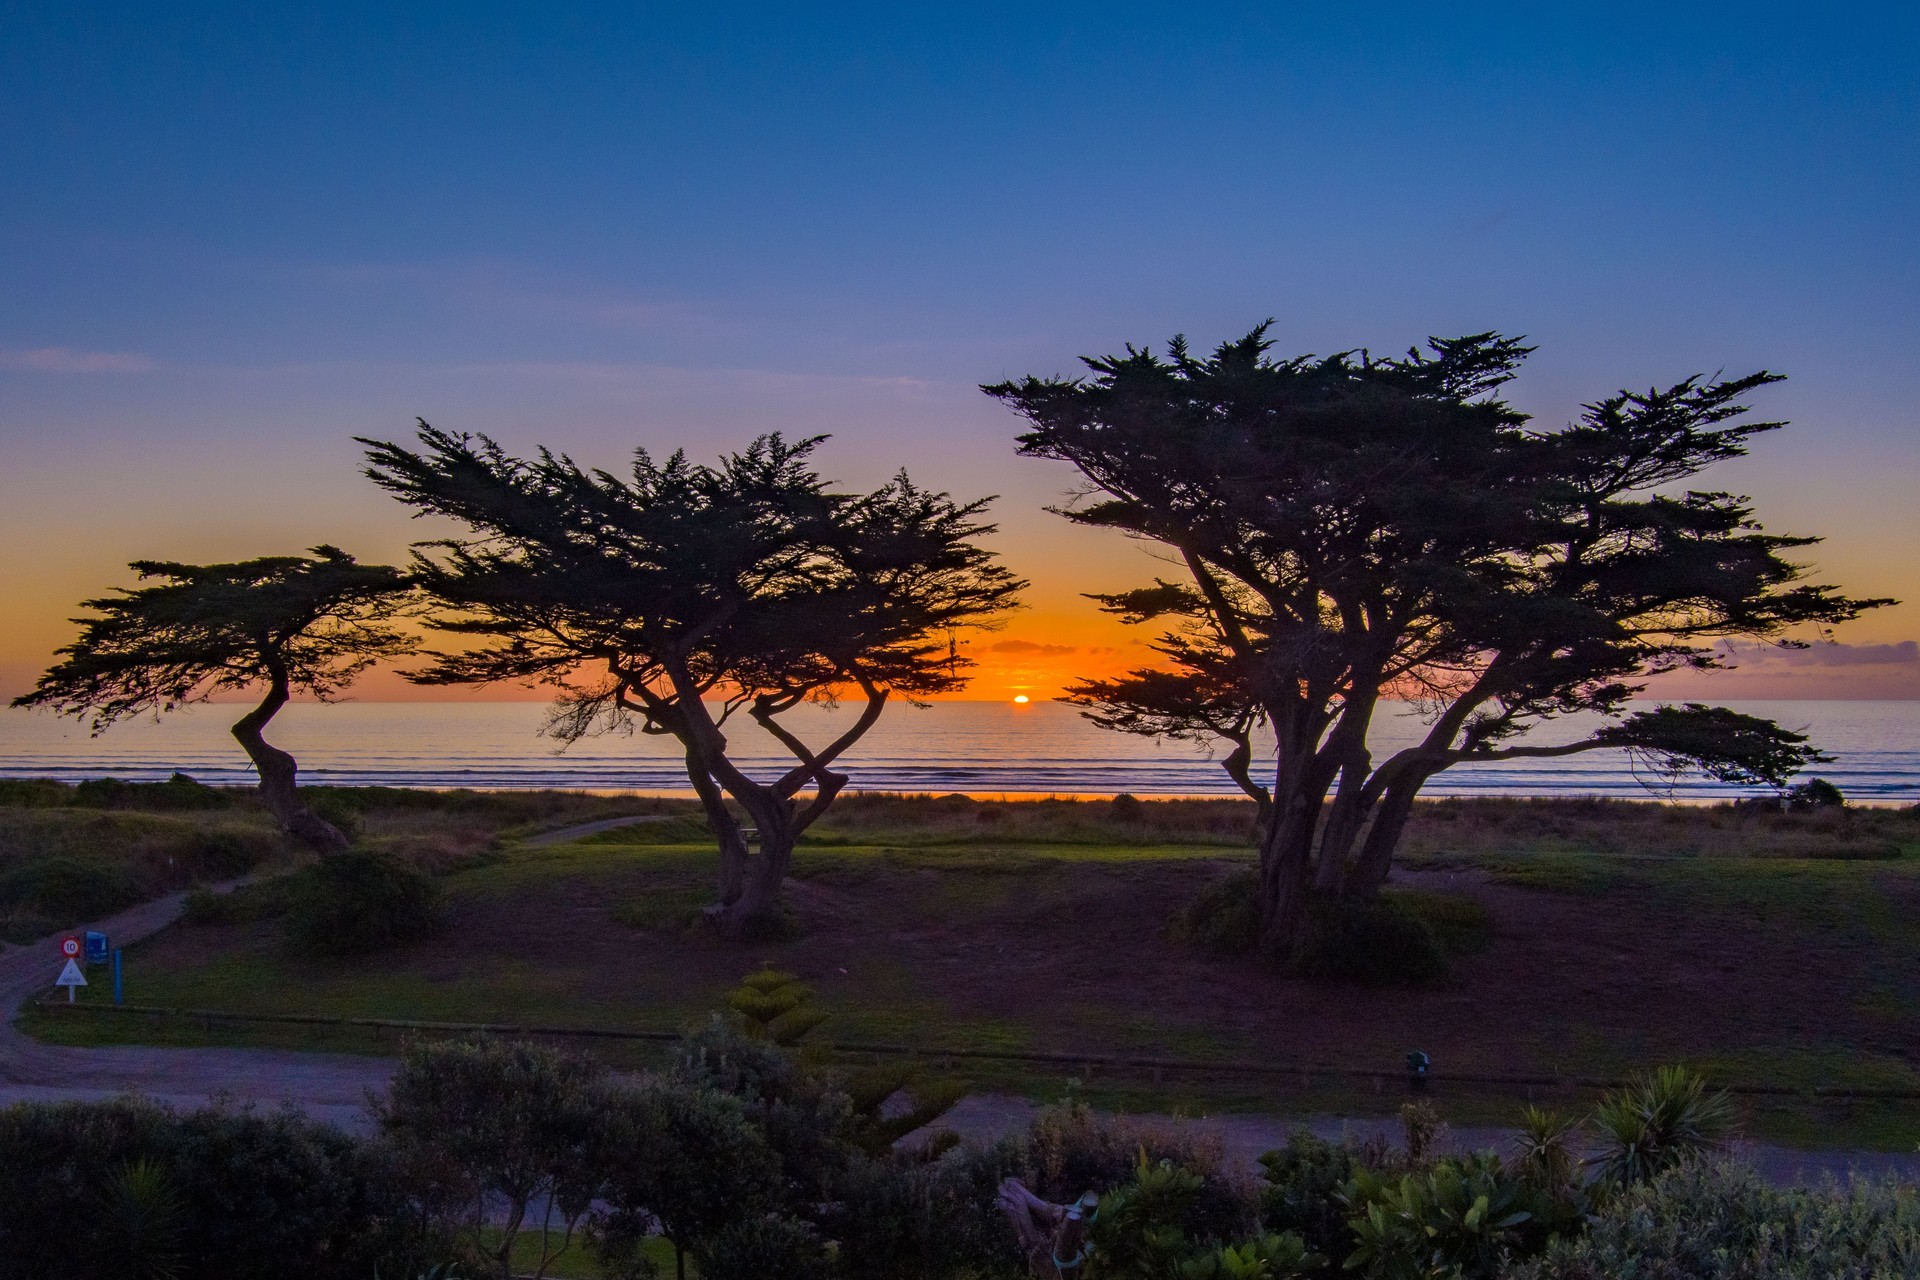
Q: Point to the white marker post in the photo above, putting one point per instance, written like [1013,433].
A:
[71,977]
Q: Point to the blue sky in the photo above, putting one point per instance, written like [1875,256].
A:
[232,237]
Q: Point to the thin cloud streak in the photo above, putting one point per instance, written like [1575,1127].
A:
[1824,654]
[72,360]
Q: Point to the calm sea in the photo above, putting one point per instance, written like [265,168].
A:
[979,747]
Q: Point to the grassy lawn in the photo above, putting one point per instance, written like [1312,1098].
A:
[1768,950]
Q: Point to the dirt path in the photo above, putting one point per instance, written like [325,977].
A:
[586,829]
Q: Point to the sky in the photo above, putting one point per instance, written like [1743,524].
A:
[234,237]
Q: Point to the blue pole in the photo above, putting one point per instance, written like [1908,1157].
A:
[119,990]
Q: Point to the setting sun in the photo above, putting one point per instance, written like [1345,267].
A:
[1021,697]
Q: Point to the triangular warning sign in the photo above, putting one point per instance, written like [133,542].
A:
[71,976]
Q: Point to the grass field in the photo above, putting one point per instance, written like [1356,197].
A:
[1767,949]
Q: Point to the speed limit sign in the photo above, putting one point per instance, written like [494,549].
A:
[70,946]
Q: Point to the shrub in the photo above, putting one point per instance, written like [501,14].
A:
[1223,919]
[1461,1217]
[1303,1182]
[1070,1149]
[1461,925]
[220,853]
[775,1006]
[802,1117]
[278,1194]
[70,887]
[34,793]
[130,1188]
[763,1246]
[263,900]
[1544,1152]
[141,1224]
[1716,1220]
[21,927]
[1661,1121]
[1815,793]
[1153,1226]
[178,794]
[339,809]
[1372,941]
[363,900]
[896,1220]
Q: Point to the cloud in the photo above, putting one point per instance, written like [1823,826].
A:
[1033,648]
[1827,654]
[69,360]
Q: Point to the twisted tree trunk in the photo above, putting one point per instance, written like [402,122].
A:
[279,774]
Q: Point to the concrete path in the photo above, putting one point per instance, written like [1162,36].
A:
[334,1087]
[330,1086]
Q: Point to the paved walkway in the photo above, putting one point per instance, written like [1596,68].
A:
[331,1086]
[334,1087]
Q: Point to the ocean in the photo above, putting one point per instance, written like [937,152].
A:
[983,748]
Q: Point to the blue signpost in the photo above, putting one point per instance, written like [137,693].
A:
[96,947]
[119,992]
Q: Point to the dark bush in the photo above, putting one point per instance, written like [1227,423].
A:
[1461,925]
[1070,1149]
[761,1247]
[1462,1217]
[804,1120]
[1303,1181]
[240,1195]
[780,924]
[34,793]
[178,794]
[1815,793]
[1371,941]
[20,927]
[1721,1221]
[263,900]
[361,901]
[220,853]
[70,887]
[897,1220]
[1126,808]
[337,808]
[1223,919]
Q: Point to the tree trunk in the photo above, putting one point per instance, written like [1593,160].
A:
[764,872]
[1369,871]
[726,832]
[279,776]
[1286,877]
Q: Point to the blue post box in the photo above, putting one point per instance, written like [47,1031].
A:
[96,947]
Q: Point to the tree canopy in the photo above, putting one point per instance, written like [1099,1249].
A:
[1349,529]
[681,595]
[286,624]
